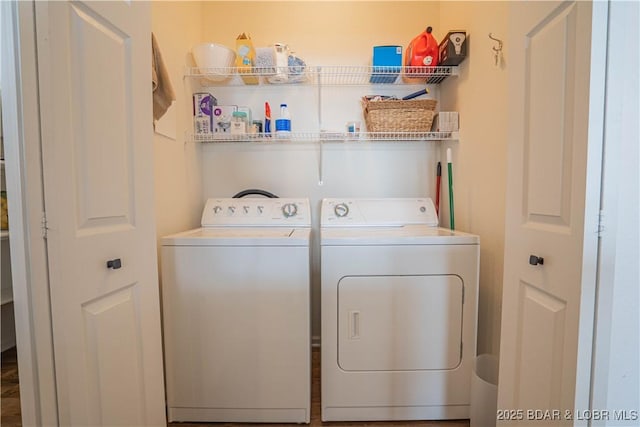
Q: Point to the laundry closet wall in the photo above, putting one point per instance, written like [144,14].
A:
[328,33]
[480,159]
[178,176]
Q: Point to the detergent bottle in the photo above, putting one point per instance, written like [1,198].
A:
[283,123]
[423,50]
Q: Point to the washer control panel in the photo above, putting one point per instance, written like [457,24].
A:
[256,212]
[378,212]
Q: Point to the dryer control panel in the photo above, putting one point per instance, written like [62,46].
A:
[378,212]
[256,212]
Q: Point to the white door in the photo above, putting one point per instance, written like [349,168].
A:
[94,72]
[553,185]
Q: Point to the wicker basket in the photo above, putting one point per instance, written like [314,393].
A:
[399,116]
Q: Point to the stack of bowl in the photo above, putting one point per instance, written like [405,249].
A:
[214,61]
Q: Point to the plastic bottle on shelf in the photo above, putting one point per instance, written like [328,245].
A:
[283,123]
[267,119]
[422,51]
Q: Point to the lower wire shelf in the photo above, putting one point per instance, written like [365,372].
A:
[328,137]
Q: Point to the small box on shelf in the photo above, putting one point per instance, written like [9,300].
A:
[203,104]
[446,121]
[222,115]
[453,48]
[387,63]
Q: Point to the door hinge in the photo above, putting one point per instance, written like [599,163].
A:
[43,225]
[601,226]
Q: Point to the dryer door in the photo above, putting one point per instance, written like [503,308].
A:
[399,323]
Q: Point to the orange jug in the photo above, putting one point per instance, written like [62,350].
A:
[423,50]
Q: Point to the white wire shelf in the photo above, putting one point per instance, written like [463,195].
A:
[325,75]
[357,75]
[328,137]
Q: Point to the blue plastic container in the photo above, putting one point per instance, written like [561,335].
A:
[387,61]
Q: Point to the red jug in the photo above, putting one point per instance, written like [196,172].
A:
[423,50]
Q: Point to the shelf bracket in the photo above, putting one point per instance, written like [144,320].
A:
[319,109]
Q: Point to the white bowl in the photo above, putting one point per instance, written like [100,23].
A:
[214,60]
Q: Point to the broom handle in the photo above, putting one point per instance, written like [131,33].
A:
[450,170]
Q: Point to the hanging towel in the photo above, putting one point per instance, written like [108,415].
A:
[163,94]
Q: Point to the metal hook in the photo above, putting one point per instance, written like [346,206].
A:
[499,48]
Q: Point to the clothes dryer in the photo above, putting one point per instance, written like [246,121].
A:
[399,310]
[236,316]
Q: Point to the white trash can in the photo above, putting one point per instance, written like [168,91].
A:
[484,391]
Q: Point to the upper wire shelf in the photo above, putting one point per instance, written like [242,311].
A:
[326,75]
[355,75]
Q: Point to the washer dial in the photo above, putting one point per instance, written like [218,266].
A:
[289,210]
[341,210]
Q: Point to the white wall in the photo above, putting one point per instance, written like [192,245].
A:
[322,32]
[479,159]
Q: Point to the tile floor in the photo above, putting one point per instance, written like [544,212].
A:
[10,400]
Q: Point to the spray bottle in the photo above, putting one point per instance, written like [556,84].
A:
[267,119]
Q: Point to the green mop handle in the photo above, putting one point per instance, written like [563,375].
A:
[450,170]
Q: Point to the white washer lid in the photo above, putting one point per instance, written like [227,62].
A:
[413,234]
[240,236]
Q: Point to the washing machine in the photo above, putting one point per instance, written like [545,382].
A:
[399,310]
[236,313]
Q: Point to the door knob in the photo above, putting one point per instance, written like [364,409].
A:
[536,260]
[114,264]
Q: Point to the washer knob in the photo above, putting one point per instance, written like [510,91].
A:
[232,210]
[289,210]
[246,209]
[217,209]
[341,210]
